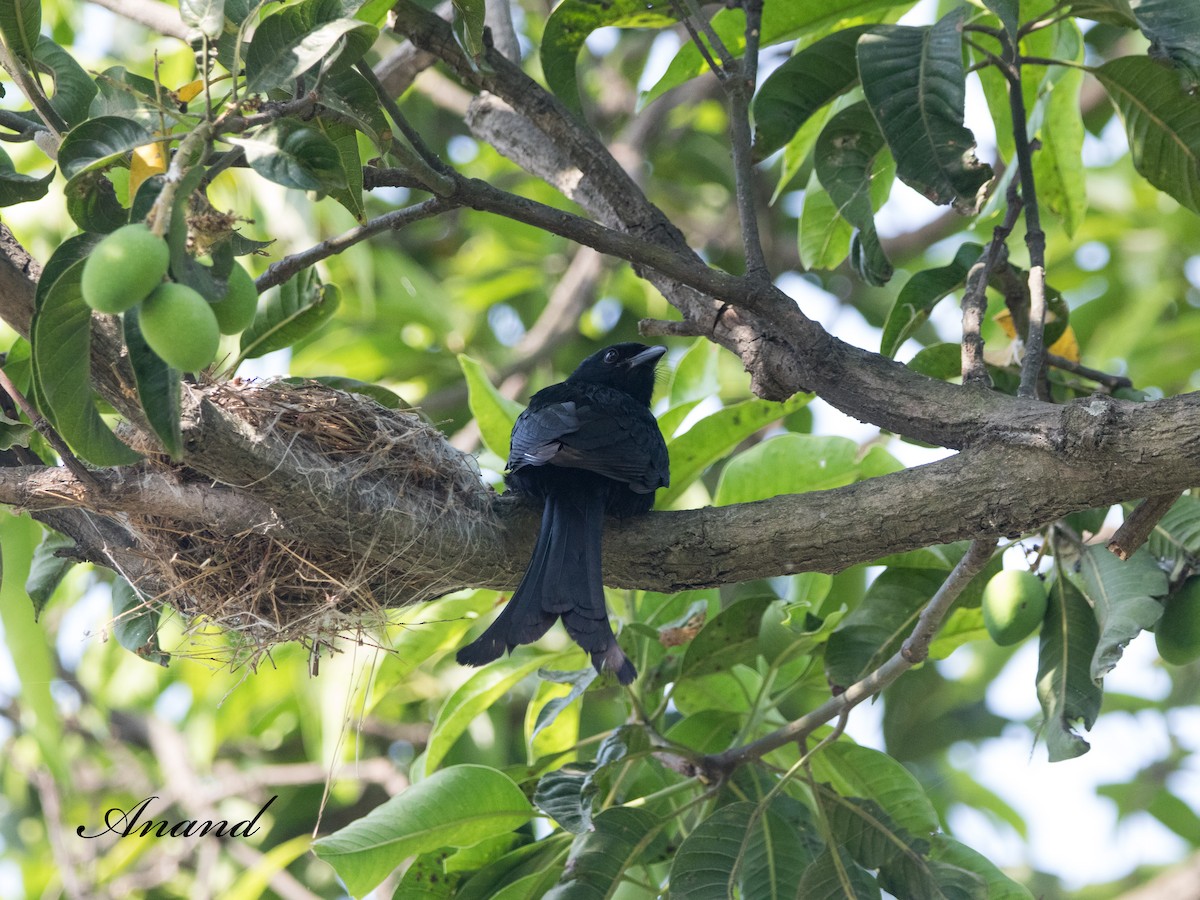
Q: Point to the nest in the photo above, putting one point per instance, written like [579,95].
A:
[266,586]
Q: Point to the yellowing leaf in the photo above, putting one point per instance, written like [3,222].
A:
[1066,346]
[190,90]
[148,159]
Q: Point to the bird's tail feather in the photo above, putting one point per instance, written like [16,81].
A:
[563,579]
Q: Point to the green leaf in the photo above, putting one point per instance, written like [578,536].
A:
[20,24]
[1176,537]
[206,16]
[798,150]
[1110,12]
[351,95]
[477,694]
[824,236]
[468,21]
[855,771]
[298,37]
[788,464]
[1126,596]
[158,387]
[999,886]
[1173,29]
[1007,12]
[811,78]
[345,140]
[875,629]
[621,839]
[135,623]
[921,294]
[18,188]
[1162,123]
[728,638]
[715,436]
[99,142]
[47,569]
[1065,687]
[740,850]
[914,81]
[696,376]
[941,361]
[289,312]
[296,156]
[427,816]
[845,158]
[92,203]
[565,795]
[494,413]
[834,875]
[573,20]
[74,89]
[1057,124]
[522,874]
[61,339]
[543,713]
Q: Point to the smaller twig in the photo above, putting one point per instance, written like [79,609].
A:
[33,92]
[696,25]
[281,271]
[428,166]
[914,650]
[44,428]
[1139,524]
[1110,381]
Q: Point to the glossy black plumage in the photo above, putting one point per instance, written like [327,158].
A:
[586,447]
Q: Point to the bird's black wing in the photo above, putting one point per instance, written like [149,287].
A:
[599,430]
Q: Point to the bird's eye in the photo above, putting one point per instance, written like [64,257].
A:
[611,356]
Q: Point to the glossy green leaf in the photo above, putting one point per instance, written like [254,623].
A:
[16,187]
[476,694]
[714,437]
[135,623]
[914,81]
[845,158]
[468,22]
[856,771]
[696,376]
[728,638]
[345,140]
[295,155]
[1162,123]
[875,629]
[298,37]
[1110,12]
[941,361]
[1008,13]
[834,875]
[622,838]
[494,413]
[522,874]
[797,151]
[47,569]
[1176,537]
[824,236]
[807,81]
[92,203]
[573,20]
[1057,125]
[740,850]
[289,312]
[352,96]
[780,22]
[427,816]
[921,293]
[1173,29]
[206,16]
[788,464]
[20,24]
[61,340]
[999,886]
[1126,596]
[158,387]
[565,795]
[1065,688]
[99,142]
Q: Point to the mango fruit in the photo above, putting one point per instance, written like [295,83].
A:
[180,326]
[124,268]
[235,311]
[1177,634]
[1014,604]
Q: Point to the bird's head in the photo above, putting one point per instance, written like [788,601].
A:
[628,367]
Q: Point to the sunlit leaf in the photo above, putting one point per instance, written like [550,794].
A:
[206,16]
[98,142]
[921,293]
[289,312]
[295,155]
[494,413]
[293,40]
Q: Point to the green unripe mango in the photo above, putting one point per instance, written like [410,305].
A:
[1177,634]
[179,325]
[235,311]
[124,268]
[1014,604]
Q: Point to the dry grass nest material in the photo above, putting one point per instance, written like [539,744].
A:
[265,588]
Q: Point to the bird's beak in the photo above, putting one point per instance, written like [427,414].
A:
[649,356]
